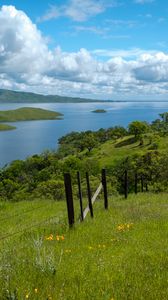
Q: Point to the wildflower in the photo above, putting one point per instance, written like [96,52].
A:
[50,237]
[123,227]
[57,238]
[68,251]
[27,296]
[90,247]
[36,290]
[62,238]
[120,227]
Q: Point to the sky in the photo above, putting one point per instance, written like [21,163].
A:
[104,49]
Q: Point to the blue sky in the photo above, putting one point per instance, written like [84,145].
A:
[106,49]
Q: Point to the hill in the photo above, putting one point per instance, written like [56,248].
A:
[8,96]
[28,114]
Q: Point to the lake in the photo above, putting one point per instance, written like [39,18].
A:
[33,137]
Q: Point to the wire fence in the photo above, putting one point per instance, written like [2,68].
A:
[21,213]
[26,228]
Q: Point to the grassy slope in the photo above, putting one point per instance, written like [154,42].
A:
[4,127]
[28,113]
[110,152]
[96,260]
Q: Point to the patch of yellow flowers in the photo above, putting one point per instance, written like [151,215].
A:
[56,238]
[124,227]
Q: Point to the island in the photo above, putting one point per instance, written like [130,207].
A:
[99,111]
[28,114]
[4,127]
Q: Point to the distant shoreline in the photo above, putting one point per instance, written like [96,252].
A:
[82,101]
[11,97]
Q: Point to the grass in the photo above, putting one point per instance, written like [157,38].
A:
[120,254]
[112,151]
[4,127]
[28,114]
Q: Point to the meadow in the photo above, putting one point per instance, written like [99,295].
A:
[119,254]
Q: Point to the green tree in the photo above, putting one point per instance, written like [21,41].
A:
[137,128]
[88,142]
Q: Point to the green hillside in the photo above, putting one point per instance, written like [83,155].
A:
[28,114]
[121,253]
[7,96]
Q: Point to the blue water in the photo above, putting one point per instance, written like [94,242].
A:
[33,137]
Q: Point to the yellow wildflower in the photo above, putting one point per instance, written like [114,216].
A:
[36,290]
[50,237]
[57,238]
[27,296]
[68,251]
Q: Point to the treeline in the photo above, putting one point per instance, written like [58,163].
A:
[42,175]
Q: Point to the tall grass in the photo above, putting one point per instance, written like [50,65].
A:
[119,254]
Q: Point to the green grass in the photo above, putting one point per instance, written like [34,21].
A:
[111,151]
[96,260]
[28,114]
[4,127]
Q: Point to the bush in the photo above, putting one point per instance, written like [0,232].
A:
[51,188]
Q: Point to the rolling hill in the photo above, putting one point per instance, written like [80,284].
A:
[8,96]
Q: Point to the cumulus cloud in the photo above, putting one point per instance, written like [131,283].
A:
[27,64]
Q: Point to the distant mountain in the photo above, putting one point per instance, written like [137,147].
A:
[7,96]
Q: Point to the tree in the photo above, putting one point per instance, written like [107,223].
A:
[137,128]
[88,142]
[164,117]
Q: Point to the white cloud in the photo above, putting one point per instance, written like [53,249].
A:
[92,29]
[27,64]
[77,10]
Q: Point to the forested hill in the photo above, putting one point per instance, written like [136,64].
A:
[7,96]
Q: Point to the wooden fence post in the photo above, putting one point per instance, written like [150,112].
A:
[89,195]
[69,198]
[80,195]
[126,184]
[104,183]
[136,183]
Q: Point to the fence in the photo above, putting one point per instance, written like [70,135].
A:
[92,199]
[102,187]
